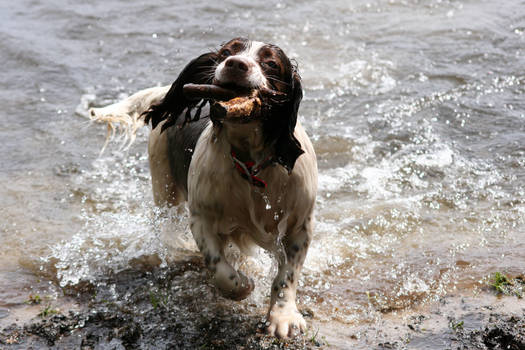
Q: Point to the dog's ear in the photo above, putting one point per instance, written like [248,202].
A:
[198,71]
[287,147]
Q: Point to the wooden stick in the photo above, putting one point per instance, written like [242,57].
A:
[199,91]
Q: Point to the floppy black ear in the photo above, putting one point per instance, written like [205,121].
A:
[287,147]
[198,71]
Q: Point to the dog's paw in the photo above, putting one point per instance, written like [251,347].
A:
[285,322]
[243,288]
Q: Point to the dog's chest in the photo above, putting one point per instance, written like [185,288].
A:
[219,193]
[234,201]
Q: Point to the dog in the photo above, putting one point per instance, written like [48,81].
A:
[247,182]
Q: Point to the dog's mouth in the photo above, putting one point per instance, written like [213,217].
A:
[233,103]
[210,91]
[228,102]
[226,91]
[239,89]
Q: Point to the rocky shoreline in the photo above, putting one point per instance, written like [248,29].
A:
[147,309]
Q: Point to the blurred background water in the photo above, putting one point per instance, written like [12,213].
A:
[416,109]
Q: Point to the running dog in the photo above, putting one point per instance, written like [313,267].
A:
[248,179]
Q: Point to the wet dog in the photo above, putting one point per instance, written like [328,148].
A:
[248,179]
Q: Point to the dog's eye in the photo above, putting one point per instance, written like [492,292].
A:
[226,53]
[271,64]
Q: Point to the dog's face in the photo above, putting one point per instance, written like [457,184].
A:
[253,64]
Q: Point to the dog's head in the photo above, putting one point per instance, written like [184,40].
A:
[244,64]
[253,64]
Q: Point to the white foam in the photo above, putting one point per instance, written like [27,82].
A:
[441,158]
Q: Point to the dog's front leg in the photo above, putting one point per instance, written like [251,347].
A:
[231,283]
[283,318]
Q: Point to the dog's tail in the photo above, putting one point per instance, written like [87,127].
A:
[126,116]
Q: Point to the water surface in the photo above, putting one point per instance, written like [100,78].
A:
[416,110]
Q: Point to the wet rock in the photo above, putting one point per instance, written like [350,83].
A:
[506,333]
[53,328]
[176,308]
[161,308]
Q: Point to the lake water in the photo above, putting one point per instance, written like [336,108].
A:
[416,110]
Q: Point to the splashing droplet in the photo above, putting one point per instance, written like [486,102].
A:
[267,202]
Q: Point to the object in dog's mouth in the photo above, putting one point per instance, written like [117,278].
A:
[227,104]
[240,109]
[208,91]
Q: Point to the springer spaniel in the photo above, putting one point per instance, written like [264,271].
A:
[247,180]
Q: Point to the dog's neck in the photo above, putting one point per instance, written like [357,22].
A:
[245,140]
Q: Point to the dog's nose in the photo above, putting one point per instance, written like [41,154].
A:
[236,62]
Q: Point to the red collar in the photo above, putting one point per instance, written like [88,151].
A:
[249,170]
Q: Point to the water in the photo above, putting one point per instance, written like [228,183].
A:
[415,109]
